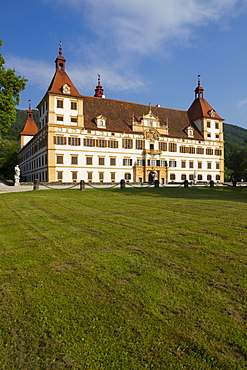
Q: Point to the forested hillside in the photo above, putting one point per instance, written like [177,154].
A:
[235,148]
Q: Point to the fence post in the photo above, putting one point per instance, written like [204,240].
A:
[82,185]
[122,184]
[186,183]
[36,184]
[156,184]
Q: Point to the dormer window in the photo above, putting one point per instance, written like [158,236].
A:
[66,89]
[189,131]
[100,121]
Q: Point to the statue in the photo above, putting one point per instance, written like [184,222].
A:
[17,175]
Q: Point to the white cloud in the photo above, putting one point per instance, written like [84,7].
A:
[242,103]
[143,26]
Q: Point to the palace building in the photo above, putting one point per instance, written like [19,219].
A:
[96,139]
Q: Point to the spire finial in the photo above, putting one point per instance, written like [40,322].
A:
[60,48]
[29,104]
[199,80]
[99,92]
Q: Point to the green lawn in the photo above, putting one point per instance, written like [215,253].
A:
[124,279]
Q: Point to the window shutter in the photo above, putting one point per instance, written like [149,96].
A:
[79,141]
[105,143]
[137,144]
[158,162]
[109,143]
[64,140]
[148,162]
[116,145]
[97,142]
[93,142]
[130,162]
[123,143]
[131,144]
[55,140]
[84,142]
[69,140]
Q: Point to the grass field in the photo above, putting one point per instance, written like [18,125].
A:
[124,279]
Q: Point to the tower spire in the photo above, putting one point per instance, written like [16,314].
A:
[199,90]
[99,91]
[60,60]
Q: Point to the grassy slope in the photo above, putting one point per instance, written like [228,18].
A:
[132,279]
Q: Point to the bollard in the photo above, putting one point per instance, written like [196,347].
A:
[122,184]
[186,183]
[36,184]
[156,184]
[211,183]
[82,185]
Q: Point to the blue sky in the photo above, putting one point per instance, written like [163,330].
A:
[145,51]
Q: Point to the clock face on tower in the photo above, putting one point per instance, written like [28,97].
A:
[66,89]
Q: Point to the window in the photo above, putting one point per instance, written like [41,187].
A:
[209,135]
[209,151]
[74,141]
[163,146]
[183,177]
[73,119]
[217,166]
[191,177]
[153,162]
[101,143]
[113,176]
[127,162]
[172,147]
[172,164]
[217,152]
[209,165]
[113,144]
[217,177]
[209,177]
[139,162]
[199,177]
[182,149]
[60,140]
[139,144]
[59,175]
[208,124]
[183,164]
[101,161]
[163,163]
[59,118]
[127,144]
[199,150]
[88,142]
[199,164]
[73,105]
[89,160]
[74,159]
[112,161]
[191,164]
[59,159]
[59,103]
[192,150]
[89,176]
[172,177]
[101,176]
[217,125]
[74,176]
[151,146]
[127,176]
[217,136]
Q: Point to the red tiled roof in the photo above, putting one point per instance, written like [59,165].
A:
[201,108]
[61,78]
[119,116]
[30,128]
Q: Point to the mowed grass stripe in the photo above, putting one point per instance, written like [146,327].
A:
[131,279]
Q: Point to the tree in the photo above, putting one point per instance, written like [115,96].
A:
[10,87]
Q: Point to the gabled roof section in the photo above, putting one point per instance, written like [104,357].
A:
[201,108]
[30,128]
[119,116]
[61,83]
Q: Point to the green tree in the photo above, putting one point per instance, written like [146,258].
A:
[10,87]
